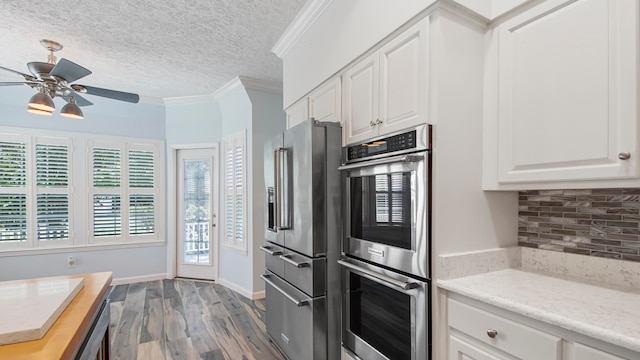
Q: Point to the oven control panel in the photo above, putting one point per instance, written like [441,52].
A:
[409,141]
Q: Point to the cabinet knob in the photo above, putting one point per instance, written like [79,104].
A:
[492,333]
[378,122]
[371,123]
[624,156]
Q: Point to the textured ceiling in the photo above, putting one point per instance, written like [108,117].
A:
[158,49]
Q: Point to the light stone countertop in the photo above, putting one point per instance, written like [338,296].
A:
[610,313]
[28,308]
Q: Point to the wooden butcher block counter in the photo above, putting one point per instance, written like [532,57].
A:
[70,331]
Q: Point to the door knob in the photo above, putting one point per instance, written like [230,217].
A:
[624,156]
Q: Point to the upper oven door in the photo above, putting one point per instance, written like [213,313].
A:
[386,203]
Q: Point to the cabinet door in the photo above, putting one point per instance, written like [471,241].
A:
[361,100]
[403,79]
[297,112]
[582,352]
[462,350]
[325,102]
[567,97]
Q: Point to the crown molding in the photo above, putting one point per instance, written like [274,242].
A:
[248,83]
[188,100]
[300,24]
[148,100]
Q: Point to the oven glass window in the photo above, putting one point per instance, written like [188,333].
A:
[380,316]
[381,209]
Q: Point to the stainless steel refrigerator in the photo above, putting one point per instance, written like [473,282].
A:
[302,240]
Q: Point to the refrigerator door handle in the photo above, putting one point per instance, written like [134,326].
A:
[276,195]
[287,258]
[283,188]
[271,252]
[298,303]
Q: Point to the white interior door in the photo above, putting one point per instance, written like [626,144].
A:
[197,238]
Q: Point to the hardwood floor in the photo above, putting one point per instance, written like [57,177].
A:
[186,319]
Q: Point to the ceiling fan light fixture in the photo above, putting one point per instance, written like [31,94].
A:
[42,101]
[38,111]
[72,110]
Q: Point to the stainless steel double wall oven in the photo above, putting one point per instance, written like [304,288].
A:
[386,246]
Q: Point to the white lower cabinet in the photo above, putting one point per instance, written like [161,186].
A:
[478,331]
[508,336]
[583,352]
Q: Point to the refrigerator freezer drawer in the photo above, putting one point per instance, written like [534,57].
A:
[305,273]
[272,260]
[295,322]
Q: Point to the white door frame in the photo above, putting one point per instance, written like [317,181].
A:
[172,199]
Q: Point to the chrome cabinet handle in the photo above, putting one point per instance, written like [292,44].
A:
[287,258]
[378,122]
[371,123]
[298,303]
[492,333]
[271,252]
[401,284]
[624,155]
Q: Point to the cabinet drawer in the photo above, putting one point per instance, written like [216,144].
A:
[511,337]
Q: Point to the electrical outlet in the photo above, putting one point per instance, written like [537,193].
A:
[71,261]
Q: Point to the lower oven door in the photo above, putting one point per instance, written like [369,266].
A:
[385,315]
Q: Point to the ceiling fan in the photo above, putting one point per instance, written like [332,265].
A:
[53,79]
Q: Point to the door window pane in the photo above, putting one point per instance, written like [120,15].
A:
[197,205]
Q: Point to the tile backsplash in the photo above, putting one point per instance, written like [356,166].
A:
[595,222]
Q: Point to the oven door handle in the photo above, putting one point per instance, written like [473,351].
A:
[401,284]
[299,303]
[389,160]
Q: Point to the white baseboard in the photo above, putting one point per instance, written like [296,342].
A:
[242,291]
[135,279]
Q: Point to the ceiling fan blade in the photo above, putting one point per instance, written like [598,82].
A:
[25,76]
[80,101]
[111,94]
[69,71]
[12,83]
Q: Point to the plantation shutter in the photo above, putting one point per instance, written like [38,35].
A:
[13,197]
[234,191]
[141,206]
[107,206]
[52,201]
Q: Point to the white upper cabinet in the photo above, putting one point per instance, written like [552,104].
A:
[387,90]
[298,112]
[563,105]
[324,102]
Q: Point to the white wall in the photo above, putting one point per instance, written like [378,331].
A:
[106,117]
[268,121]
[343,32]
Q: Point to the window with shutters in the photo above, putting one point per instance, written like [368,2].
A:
[35,197]
[123,191]
[47,204]
[234,164]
